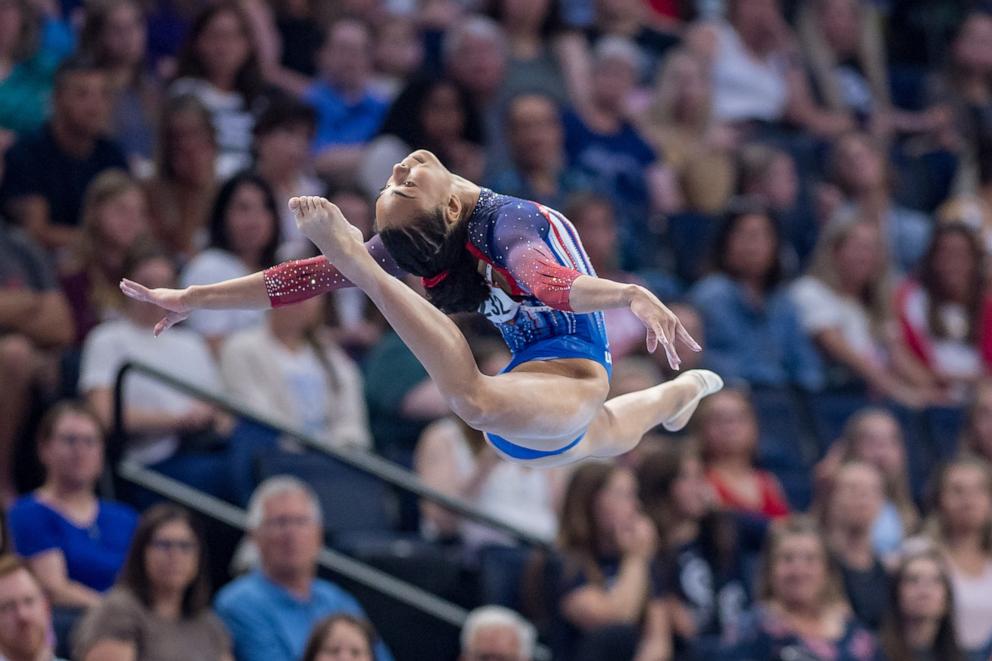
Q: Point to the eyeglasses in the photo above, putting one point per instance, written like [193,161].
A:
[81,439]
[283,522]
[166,545]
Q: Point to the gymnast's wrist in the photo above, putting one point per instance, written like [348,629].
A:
[633,293]
[192,297]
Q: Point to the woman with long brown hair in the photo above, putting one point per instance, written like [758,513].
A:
[919,621]
[608,547]
[160,607]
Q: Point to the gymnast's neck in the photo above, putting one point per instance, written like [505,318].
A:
[467,193]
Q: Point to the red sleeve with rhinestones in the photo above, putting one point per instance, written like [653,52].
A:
[298,280]
[533,265]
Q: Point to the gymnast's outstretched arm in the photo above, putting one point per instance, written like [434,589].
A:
[283,284]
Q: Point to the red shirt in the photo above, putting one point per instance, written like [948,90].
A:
[773,503]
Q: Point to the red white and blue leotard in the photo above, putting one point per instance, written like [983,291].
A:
[531,256]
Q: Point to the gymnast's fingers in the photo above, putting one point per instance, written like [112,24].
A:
[134,290]
[683,335]
[673,357]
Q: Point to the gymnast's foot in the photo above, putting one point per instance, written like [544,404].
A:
[698,384]
[325,225]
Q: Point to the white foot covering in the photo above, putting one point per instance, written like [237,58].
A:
[707,383]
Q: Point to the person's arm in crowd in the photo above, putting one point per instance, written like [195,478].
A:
[593,606]
[43,317]
[338,162]
[199,416]
[663,187]
[434,463]
[571,51]
[31,213]
[50,568]
[108,649]
[424,402]
[802,110]
[832,341]
[656,636]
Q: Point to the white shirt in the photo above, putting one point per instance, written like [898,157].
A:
[745,87]
[822,308]
[210,266]
[233,123]
[179,352]
[972,606]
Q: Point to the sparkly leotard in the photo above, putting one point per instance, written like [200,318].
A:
[531,255]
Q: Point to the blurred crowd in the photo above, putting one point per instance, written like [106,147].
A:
[807,183]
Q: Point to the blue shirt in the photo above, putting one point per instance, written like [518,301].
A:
[343,122]
[93,555]
[762,345]
[268,623]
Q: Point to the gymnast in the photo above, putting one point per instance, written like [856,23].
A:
[521,265]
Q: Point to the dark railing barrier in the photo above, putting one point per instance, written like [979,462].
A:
[364,461]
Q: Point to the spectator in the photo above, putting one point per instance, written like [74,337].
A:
[159,608]
[348,112]
[25,616]
[966,84]
[845,54]
[283,135]
[475,55]
[802,612]
[873,435]
[271,611]
[494,632]
[727,429]
[679,123]
[960,522]
[700,556]
[977,436]
[863,182]
[35,323]
[28,67]
[115,219]
[769,175]
[74,542]
[158,417]
[847,513]
[608,547]
[755,78]
[944,314]
[184,185]
[341,638]
[115,34]
[747,313]
[538,170]
[47,173]
[919,619]
[398,54]
[244,235]
[292,371]
[533,32]
[434,114]
[844,304]
[602,143]
[455,459]
[219,66]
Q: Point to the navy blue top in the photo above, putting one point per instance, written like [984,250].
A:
[93,555]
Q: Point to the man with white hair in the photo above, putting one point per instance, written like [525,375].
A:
[494,633]
[271,611]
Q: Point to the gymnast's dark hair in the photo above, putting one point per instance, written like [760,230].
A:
[427,247]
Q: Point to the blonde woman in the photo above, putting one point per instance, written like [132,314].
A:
[802,612]
[679,123]
[844,305]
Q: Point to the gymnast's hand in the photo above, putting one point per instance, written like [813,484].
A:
[662,324]
[323,223]
[173,301]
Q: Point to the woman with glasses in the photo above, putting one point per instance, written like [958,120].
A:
[74,542]
[160,607]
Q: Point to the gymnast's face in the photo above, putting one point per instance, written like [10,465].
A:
[418,186]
